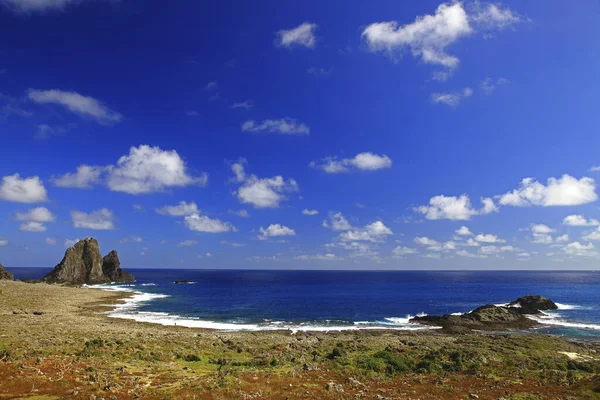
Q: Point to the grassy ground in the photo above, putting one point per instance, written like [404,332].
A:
[54,344]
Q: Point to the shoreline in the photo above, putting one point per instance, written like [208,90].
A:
[54,339]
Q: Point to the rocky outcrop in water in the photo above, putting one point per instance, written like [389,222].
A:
[83,264]
[111,268]
[491,317]
[5,275]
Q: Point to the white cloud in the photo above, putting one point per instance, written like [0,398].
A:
[248,104]
[83,178]
[337,222]
[451,99]
[149,169]
[306,211]
[427,37]
[594,235]
[38,214]
[488,238]
[541,234]
[465,253]
[284,126]
[448,207]
[30,6]
[265,192]
[434,245]
[238,170]
[493,17]
[595,168]
[362,161]
[132,239]
[26,190]
[577,249]
[97,220]
[579,220]
[488,85]
[32,226]
[51,241]
[232,244]
[401,251]
[319,257]
[320,72]
[240,213]
[564,191]
[137,207]
[463,231]
[3,242]
[489,250]
[488,206]
[211,85]
[187,243]
[202,223]
[302,35]
[562,238]
[374,232]
[541,229]
[180,210]
[275,230]
[70,242]
[84,106]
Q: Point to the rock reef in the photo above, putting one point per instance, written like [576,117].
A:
[4,274]
[492,317]
[83,264]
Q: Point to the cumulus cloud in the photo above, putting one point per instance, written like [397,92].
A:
[580,220]
[402,251]
[429,36]
[541,234]
[202,223]
[451,99]
[232,244]
[306,211]
[463,231]
[30,6]
[150,169]
[488,238]
[180,210]
[97,220]
[594,235]
[337,222]
[434,245]
[26,190]
[3,242]
[38,214]
[319,257]
[32,226]
[374,232]
[262,192]
[248,104]
[490,250]
[238,169]
[84,106]
[453,208]
[488,85]
[240,213]
[465,253]
[84,178]
[577,249]
[51,241]
[70,242]
[302,35]
[284,126]
[563,191]
[362,161]
[275,230]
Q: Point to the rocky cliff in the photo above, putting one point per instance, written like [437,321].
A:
[4,274]
[83,263]
[111,268]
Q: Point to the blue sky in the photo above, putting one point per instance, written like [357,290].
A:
[338,134]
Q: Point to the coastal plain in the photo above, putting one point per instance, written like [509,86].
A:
[56,342]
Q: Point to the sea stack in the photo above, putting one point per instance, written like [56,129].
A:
[83,263]
[5,275]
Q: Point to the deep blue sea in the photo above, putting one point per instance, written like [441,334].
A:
[333,300]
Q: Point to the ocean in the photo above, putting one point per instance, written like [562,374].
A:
[347,300]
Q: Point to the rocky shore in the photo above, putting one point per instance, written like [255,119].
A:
[493,317]
[55,343]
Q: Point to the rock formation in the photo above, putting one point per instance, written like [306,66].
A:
[111,268]
[83,263]
[4,274]
[491,317]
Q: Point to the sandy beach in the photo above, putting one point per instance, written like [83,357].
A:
[55,343]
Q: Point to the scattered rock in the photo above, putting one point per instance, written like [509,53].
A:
[533,304]
[5,275]
[473,396]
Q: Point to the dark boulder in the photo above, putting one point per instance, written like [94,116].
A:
[5,275]
[83,264]
[111,268]
[533,304]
